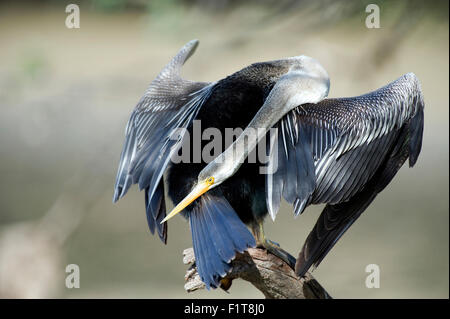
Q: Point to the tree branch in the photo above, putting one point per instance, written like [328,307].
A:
[269,274]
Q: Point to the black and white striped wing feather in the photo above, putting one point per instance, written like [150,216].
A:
[153,134]
[326,152]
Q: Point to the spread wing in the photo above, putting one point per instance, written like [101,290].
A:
[326,152]
[152,134]
[343,152]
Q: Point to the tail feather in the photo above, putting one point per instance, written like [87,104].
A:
[225,251]
[214,266]
[217,234]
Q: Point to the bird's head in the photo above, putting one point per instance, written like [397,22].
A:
[214,174]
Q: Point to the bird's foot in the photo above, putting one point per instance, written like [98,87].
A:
[275,249]
[271,246]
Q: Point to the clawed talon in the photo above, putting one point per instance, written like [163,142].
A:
[279,252]
[271,246]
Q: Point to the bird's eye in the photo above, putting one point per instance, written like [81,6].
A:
[210,180]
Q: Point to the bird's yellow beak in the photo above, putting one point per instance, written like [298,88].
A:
[198,190]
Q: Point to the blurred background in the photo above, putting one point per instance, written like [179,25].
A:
[66,95]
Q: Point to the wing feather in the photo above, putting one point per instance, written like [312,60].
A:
[154,133]
[347,139]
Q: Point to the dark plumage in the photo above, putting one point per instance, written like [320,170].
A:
[341,152]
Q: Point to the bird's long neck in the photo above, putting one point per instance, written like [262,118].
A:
[268,115]
[293,89]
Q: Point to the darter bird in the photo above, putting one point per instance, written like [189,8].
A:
[337,151]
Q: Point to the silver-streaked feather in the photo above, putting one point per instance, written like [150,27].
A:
[169,104]
[337,126]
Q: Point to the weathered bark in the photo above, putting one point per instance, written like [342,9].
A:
[269,274]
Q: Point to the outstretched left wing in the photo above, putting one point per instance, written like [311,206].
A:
[343,152]
[326,152]
[170,103]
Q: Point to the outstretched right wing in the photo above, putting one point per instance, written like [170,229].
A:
[328,151]
[343,152]
[335,219]
[169,104]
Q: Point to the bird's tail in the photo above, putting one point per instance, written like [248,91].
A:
[217,234]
